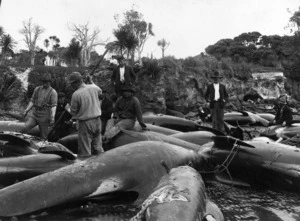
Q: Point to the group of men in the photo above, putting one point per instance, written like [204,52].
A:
[92,108]
[217,97]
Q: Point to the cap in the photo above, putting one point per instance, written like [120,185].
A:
[75,76]
[46,78]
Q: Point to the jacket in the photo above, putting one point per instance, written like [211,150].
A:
[209,95]
[129,76]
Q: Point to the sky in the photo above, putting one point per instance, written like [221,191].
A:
[189,25]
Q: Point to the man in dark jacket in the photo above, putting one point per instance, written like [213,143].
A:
[217,96]
[127,110]
[122,75]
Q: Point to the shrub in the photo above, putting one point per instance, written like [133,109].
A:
[151,68]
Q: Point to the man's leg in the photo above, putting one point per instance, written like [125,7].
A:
[126,124]
[84,139]
[44,130]
[29,124]
[219,117]
[96,144]
[214,119]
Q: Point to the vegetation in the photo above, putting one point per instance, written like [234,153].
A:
[31,33]
[163,44]
[142,30]
[127,42]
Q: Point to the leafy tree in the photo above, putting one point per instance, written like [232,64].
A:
[163,44]
[248,38]
[31,33]
[220,49]
[7,45]
[142,30]
[127,42]
[1,31]
[52,45]
[46,44]
[73,53]
[88,40]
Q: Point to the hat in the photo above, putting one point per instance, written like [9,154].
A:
[128,88]
[216,75]
[46,78]
[60,94]
[282,99]
[75,76]
[119,57]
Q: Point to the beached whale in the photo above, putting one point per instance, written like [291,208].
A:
[179,195]
[245,118]
[17,169]
[16,144]
[135,167]
[278,131]
[128,136]
[155,128]
[172,122]
[257,161]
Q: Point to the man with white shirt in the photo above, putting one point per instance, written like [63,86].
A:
[217,96]
[85,107]
[122,75]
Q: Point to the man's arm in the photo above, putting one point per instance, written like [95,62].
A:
[113,76]
[53,105]
[74,107]
[117,108]
[132,74]
[225,94]
[30,104]
[206,95]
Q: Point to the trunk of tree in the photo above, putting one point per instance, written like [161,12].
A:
[163,52]
[32,56]
[88,57]
[140,57]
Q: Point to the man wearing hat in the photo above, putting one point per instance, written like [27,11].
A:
[86,109]
[127,110]
[217,96]
[43,102]
[122,75]
[284,115]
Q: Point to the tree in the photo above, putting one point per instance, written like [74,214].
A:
[133,20]
[163,44]
[1,31]
[126,41]
[73,53]
[7,45]
[52,45]
[88,40]
[31,33]
[248,38]
[220,49]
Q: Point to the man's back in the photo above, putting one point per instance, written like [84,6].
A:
[85,102]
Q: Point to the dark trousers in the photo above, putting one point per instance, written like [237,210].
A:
[217,115]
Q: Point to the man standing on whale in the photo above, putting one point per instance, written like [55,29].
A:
[217,96]
[43,102]
[85,108]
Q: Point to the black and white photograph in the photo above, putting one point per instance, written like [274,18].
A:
[150,110]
